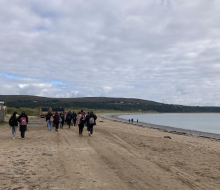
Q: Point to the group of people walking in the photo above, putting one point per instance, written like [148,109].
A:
[70,118]
[22,119]
[131,120]
[57,120]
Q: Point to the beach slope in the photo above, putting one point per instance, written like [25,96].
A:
[118,156]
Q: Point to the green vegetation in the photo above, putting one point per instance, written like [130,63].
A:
[98,105]
[34,111]
[103,111]
[28,111]
[3,122]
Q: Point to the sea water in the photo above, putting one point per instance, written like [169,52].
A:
[200,122]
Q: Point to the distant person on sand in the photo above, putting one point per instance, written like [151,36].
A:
[13,122]
[132,120]
[56,120]
[90,119]
[49,120]
[87,115]
[137,120]
[80,120]
[23,120]
[129,120]
[74,118]
[62,118]
[68,118]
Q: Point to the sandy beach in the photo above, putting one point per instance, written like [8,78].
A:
[119,156]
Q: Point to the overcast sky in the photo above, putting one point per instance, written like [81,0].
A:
[162,50]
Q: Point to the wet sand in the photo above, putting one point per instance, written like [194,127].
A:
[175,130]
[118,156]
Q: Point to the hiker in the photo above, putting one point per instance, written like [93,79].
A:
[56,120]
[23,120]
[137,120]
[49,120]
[90,119]
[68,118]
[80,122]
[132,120]
[129,120]
[13,122]
[74,118]
[62,119]
[83,114]
[87,115]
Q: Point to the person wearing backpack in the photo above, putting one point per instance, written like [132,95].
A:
[83,114]
[62,120]
[87,123]
[13,122]
[56,120]
[49,120]
[74,118]
[69,118]
[91,121]
[80,120]
[23,120]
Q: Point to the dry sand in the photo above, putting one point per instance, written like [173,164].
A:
[118,156]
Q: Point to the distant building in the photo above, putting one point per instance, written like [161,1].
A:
[2,112]
[44,111]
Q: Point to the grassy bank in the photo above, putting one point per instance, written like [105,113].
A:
[28,111]
[34,111]
[103,111]
[3,122]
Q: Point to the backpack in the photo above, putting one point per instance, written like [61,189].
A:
[23,121]
[68,116]
[60,120]
[91,120]
[82,120]
[62,116]
[51,119]
[11,121]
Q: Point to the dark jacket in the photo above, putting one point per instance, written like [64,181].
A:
[23,127]
[62,117]
[56,117]
[69,115]
[88,117]
[14,122]
[48,117]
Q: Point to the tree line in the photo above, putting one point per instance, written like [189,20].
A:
[113,105]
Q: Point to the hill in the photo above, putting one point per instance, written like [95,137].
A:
[7,98]
[122,104]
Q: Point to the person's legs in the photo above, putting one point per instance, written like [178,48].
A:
[91,129]
[68,122]
[22,134]
[57,126]
[82,128]
[49,125]
[13,130]
[79,130]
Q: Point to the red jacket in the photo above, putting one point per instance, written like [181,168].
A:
[56,117]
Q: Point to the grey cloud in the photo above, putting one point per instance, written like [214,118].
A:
[165,51]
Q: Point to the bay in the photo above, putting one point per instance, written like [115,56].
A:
[199,122]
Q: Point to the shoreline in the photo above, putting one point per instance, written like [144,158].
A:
[168,129]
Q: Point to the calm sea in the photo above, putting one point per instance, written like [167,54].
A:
[200,122]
